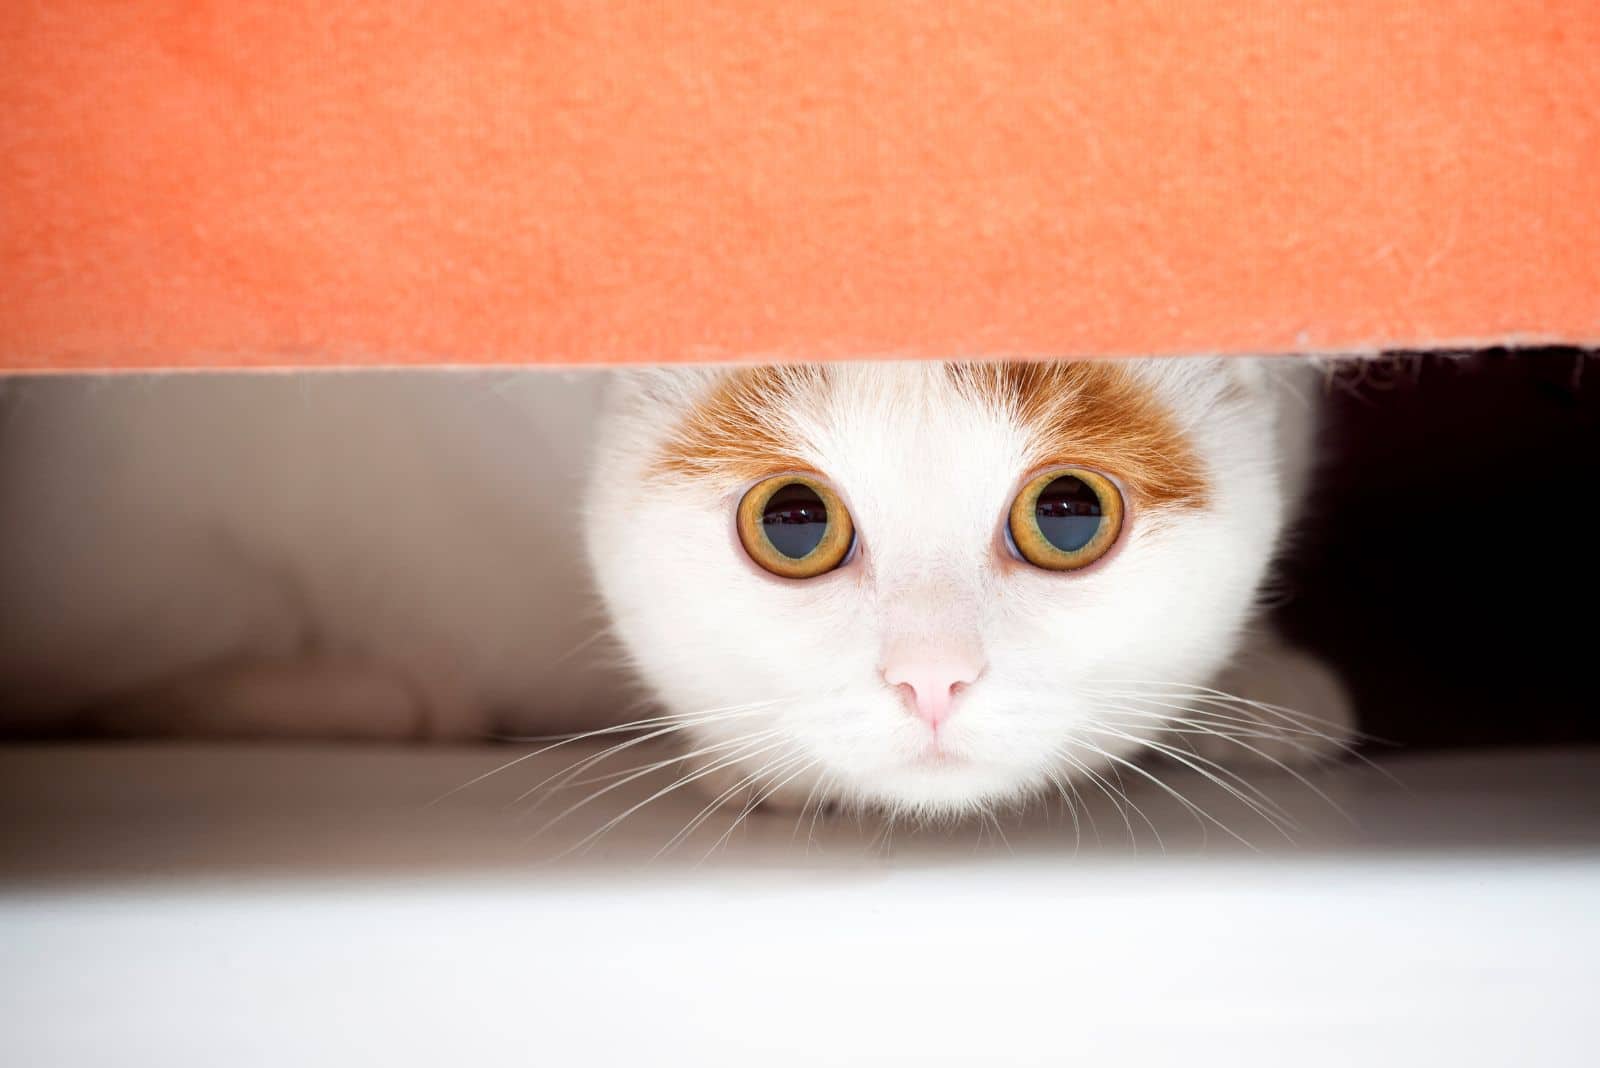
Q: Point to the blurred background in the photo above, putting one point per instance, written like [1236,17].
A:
[1448,559]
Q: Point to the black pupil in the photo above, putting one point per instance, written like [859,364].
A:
[795,519]
[1068,513]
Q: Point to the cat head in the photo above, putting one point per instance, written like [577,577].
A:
[920,586]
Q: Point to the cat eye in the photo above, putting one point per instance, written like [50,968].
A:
[795,526]
[1065,519]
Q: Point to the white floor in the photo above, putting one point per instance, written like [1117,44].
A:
[164,905]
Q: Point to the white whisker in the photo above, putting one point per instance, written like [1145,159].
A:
[1199,813]
[1265,756]
[562,778]
[1251,722]
[804,763]
[579,736]
[700,773]
[716,803]
[1269,810]
[1300,719]
[1118,798]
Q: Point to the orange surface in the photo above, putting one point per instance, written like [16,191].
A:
[331,181]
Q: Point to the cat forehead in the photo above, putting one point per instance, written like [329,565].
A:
[747,423]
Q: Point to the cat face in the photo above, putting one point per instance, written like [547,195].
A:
[935,656]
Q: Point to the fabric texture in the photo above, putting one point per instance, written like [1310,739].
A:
[294,182]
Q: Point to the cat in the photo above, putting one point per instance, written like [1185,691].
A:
[913,587]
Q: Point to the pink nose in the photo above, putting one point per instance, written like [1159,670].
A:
[930,683]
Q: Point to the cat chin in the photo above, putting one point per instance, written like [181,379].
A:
[951,789]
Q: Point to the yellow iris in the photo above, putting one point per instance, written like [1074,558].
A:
[1066,518]
[795,526]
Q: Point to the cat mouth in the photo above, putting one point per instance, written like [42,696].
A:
[936,755]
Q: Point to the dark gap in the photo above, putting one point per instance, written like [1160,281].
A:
[1447,562]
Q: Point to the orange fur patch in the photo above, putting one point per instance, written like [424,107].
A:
[738,433]
[1095,413]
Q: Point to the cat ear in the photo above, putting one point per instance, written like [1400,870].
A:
[1250,374]
[1262,376]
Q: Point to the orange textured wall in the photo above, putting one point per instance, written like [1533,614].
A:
[332,181]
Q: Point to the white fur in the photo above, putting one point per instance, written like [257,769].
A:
[232,553]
